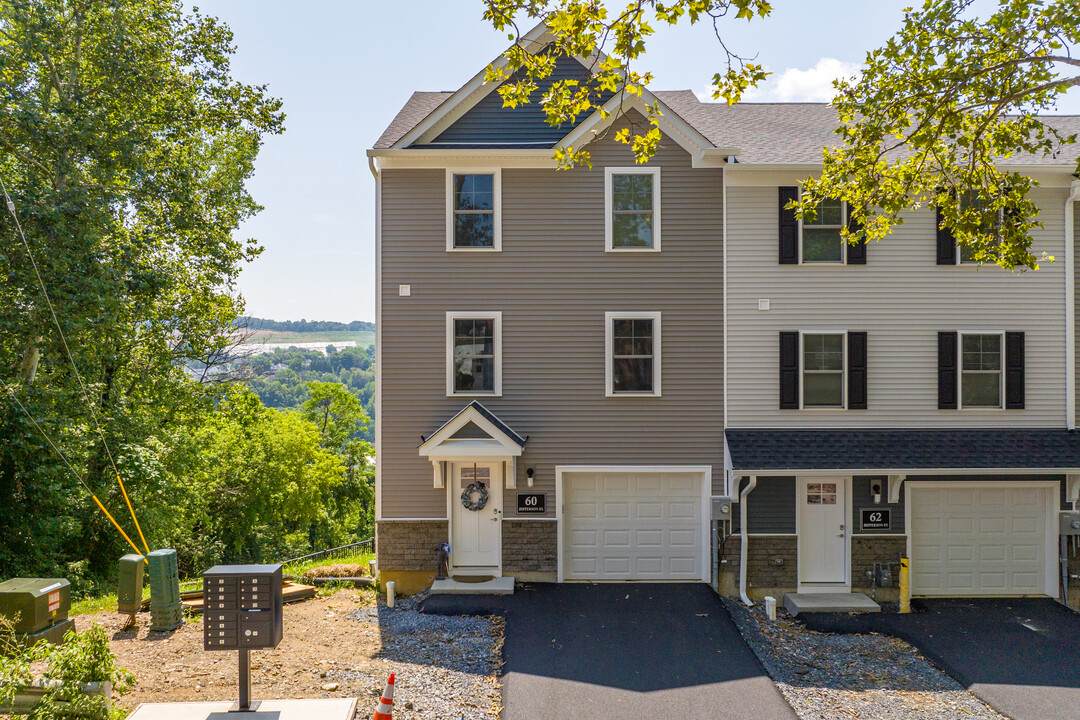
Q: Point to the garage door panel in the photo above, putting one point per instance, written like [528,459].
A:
[649,526]
[977,540]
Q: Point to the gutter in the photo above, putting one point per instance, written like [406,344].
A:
[743,537]
[1070,306]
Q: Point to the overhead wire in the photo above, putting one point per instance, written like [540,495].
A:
[71,467]
[86,396]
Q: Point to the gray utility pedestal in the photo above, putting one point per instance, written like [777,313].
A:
[334,709]
[848,602]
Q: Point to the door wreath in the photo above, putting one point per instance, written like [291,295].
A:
[481,496]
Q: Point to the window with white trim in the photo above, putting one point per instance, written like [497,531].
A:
[981,377]
[823,370]
[632,204]
[473,210]
[820,240]
[633,353]
[474,353]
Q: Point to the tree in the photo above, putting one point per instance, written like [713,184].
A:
[125,146]
[335,411]
[587,29]
[928,120]
[935,110]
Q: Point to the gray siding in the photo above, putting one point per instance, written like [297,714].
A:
[902,299]
[553,283]
[770,508]
[489,123]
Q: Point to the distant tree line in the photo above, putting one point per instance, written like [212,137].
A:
[281,379]
[254,323]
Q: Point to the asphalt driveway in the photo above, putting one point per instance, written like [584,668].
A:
[1019,655]
[623,651]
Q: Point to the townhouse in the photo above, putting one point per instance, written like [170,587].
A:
[655,372]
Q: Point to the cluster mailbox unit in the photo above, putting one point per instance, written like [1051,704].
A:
[242,611]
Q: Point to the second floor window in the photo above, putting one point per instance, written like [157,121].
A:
[990,218]
[473,211]
[823,370]
[632,199]
[474,353]
[633,356]
[980,371]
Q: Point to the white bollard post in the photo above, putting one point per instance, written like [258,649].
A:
[371,566]
[770,607]
[390,594]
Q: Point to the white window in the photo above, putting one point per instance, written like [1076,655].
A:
[819,239]
[632,204]
[823,369]
[633,353]
[473,210]
[971,200]
[474,353]
[981,378]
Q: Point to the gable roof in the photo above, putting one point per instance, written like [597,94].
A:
[762,133]
[475,414]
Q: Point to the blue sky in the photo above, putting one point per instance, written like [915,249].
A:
[344,68]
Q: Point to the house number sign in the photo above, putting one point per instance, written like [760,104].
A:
[876,519]
[532,503]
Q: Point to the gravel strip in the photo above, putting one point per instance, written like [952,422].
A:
[869,677]
[447,666]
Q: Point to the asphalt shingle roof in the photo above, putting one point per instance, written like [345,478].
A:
[765,133]
[987,449]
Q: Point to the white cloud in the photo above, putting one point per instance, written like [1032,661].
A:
[795,85]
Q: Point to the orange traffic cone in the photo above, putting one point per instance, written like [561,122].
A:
[385,711]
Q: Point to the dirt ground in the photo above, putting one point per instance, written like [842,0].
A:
[323,654]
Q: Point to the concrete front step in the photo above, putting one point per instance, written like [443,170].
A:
[829,602]
[496,586]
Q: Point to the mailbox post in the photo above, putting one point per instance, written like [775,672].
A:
[242,611]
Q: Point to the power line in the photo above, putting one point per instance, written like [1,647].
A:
[74,368]
[71,467]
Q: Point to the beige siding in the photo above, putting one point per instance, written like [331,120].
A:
[1076,288]
[553,283]
[902,299]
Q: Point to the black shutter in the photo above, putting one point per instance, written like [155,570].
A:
[946,360]
[856,352]
[856,254]
[789,227]
[1014,371]
[789,371]
[946,244]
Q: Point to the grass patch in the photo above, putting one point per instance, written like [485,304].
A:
[101,603]
[362,558]
[363,338]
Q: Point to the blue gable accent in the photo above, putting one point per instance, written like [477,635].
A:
[489,124]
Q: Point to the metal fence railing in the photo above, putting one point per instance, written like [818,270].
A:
[331,553]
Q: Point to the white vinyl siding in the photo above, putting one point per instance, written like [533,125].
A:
[902,299]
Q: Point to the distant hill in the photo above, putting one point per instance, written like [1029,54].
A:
[303,326]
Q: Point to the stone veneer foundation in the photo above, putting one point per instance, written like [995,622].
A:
[530,549]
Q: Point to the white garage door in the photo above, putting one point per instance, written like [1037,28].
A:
[633,526]
[982,538]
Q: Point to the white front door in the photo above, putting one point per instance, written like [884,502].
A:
[823,530]
[476,535]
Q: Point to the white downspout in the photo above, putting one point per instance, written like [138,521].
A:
[742,541]
[1070,306]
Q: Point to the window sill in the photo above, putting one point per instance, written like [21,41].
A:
[632,250]
[477,395]
[632,395]
[473,249]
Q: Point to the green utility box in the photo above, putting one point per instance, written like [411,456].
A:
[166,609]
[38,602]
[129,588]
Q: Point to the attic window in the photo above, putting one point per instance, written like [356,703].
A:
[472,210]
